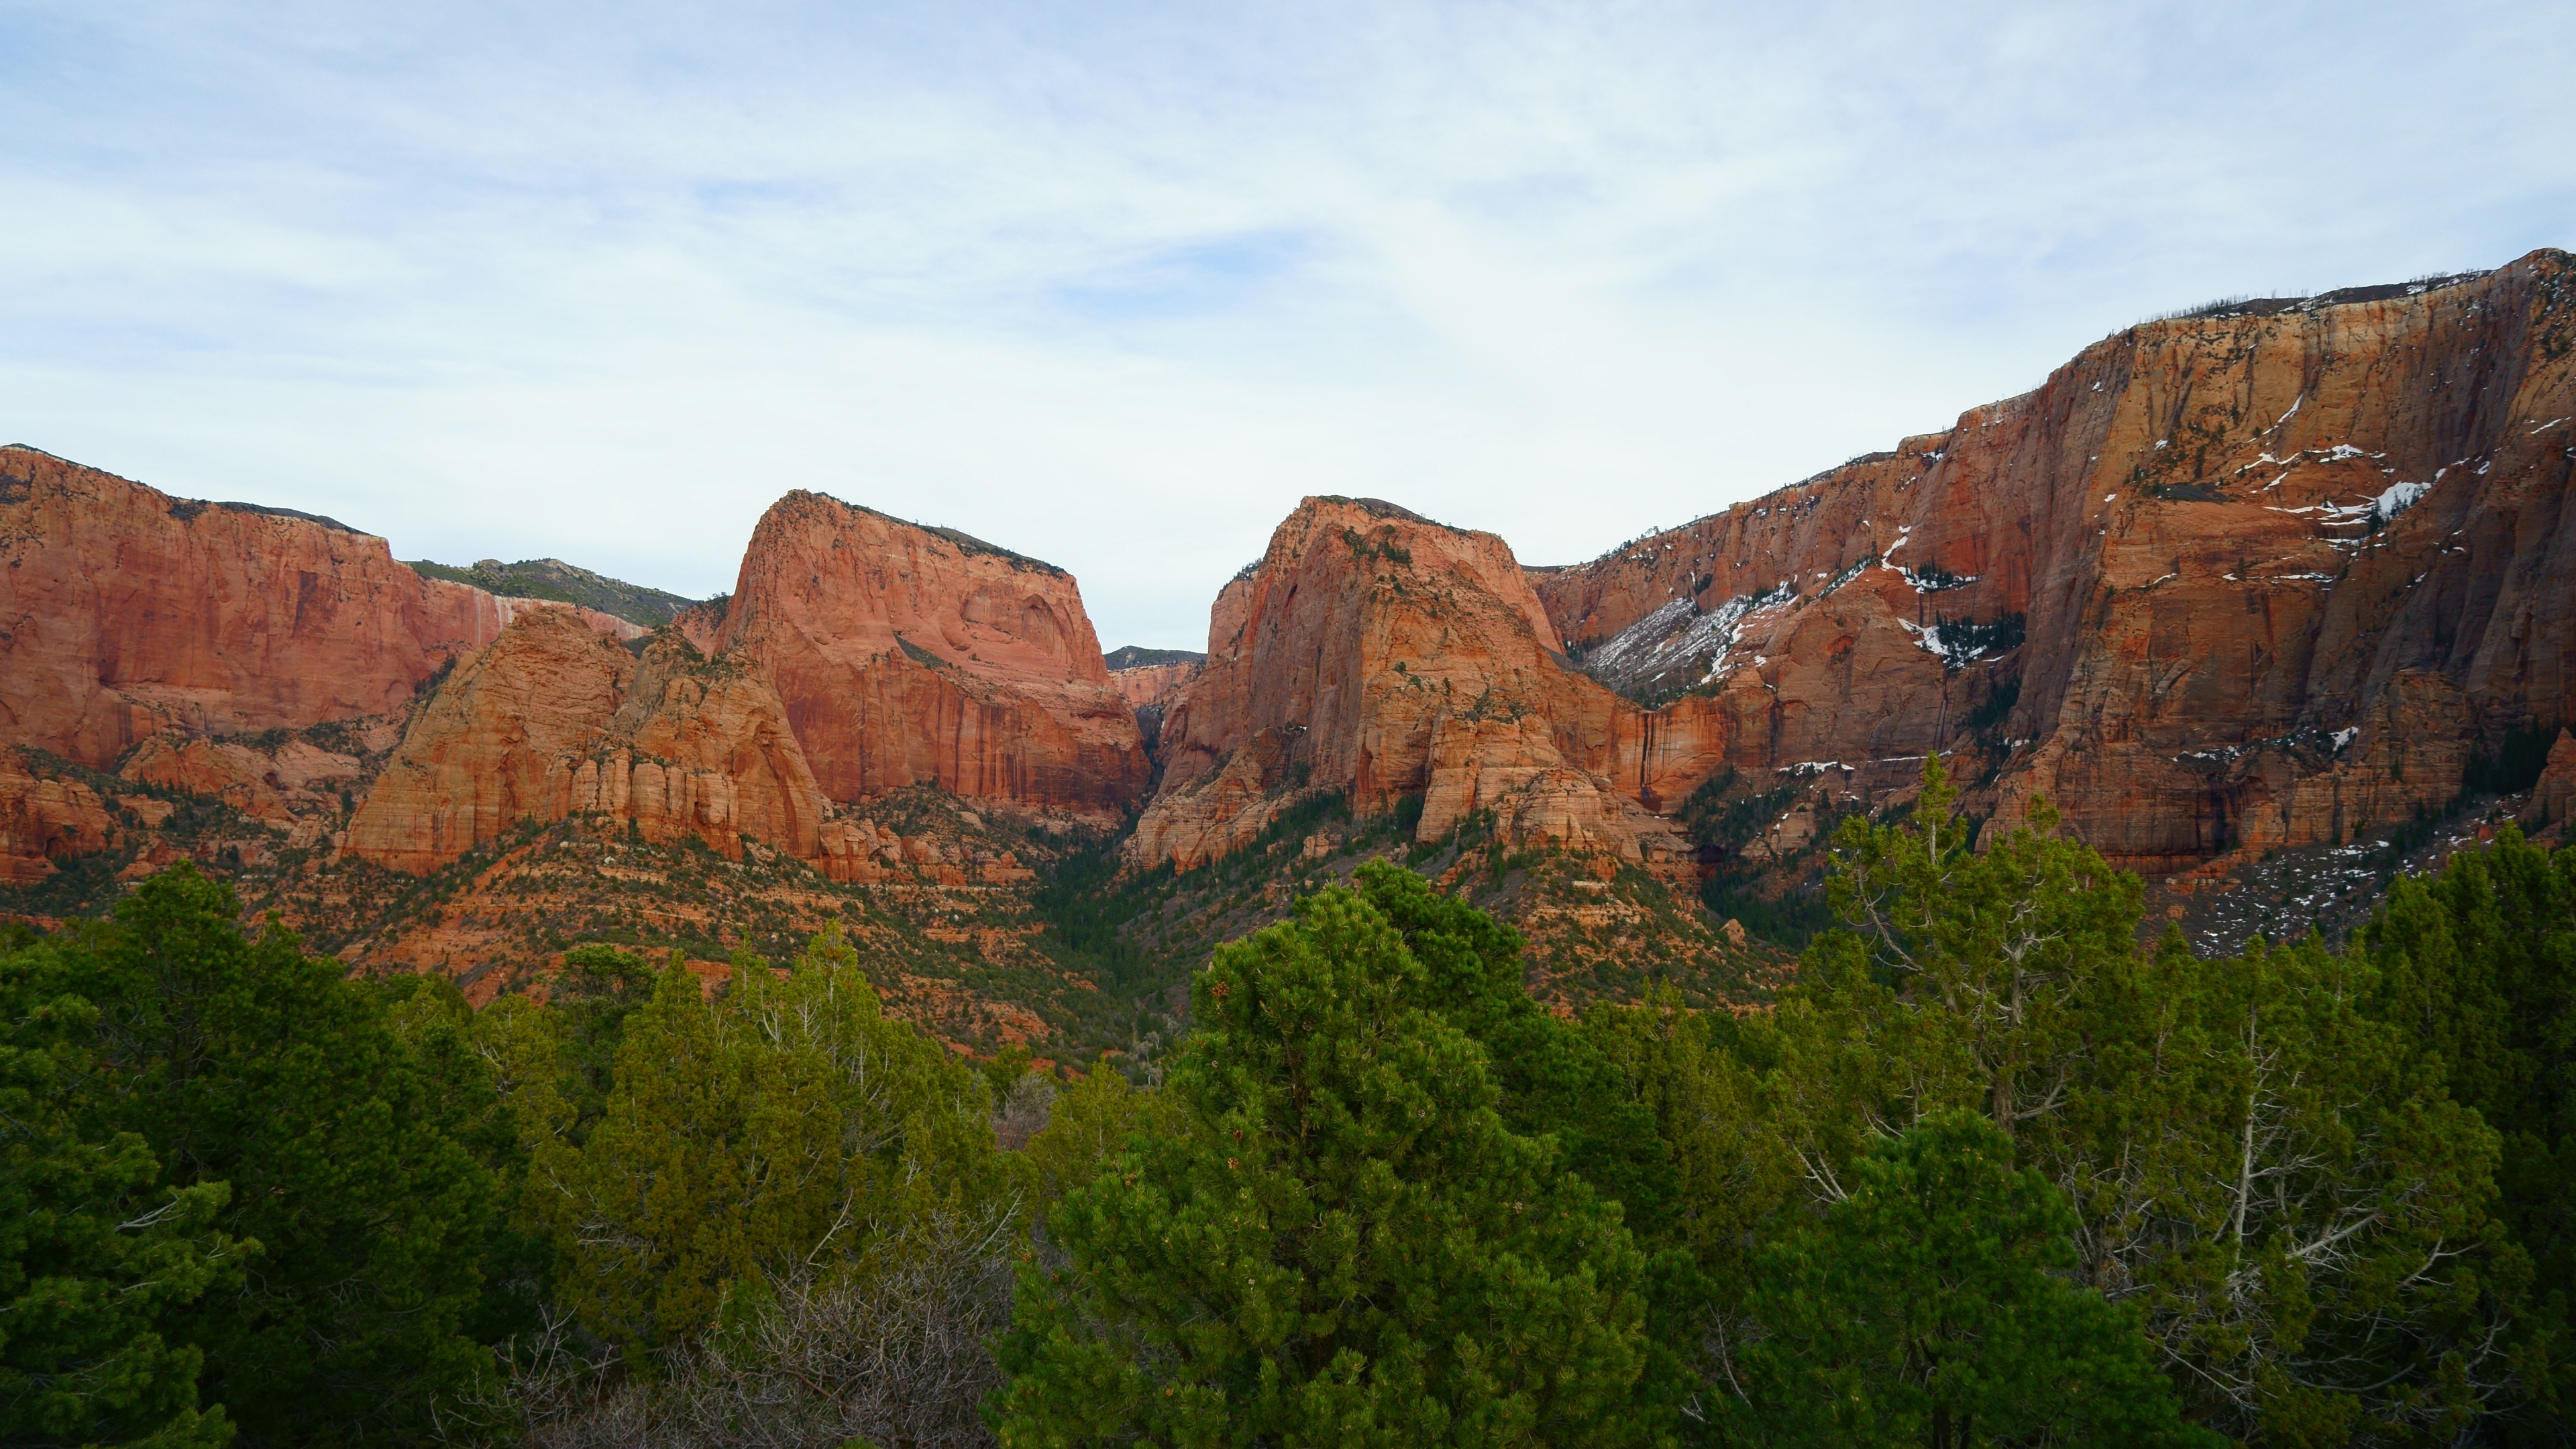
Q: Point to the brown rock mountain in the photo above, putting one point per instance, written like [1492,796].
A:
[129,611]
[1377,653]
[556,720]
[909,655]
[2264,577]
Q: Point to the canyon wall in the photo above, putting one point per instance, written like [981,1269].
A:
[908,655]
[2267,577]
[128,612]
[1380,654]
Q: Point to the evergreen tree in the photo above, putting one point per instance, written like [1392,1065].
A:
[2478,965]
[2262,1167]
[775,1131]
[1928,1307]
[1342,1244]
[94,1254]
[244,1062]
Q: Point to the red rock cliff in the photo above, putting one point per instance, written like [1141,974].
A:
[1381,654]
[2273,575]
[908,655]
[128,611]
[556,719]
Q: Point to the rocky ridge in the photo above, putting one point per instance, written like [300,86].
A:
[2223,583]
[131,612]
[1382,656]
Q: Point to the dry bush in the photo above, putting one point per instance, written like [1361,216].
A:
[892,1355]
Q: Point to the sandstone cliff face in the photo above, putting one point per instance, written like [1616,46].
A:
[1153,686]
[557,719]
[129,612]
[1384,655]
[908,655]
[2228,582]
[42,821]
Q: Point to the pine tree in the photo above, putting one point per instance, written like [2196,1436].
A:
[775,1131]
[1929,1307]
[1342,1243]
[245,1062]
[94,1254]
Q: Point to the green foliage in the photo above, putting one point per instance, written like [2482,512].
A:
[1929,1306]
[2265,1164]
[93,1257]
[2478,966]
[1552,1081]
[1342,1243]
[778,1129]
[246,1063]
[1724,811]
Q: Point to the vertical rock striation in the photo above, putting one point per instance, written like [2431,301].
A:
[1377,653]
[2264,577]
[124,611]
[908,655]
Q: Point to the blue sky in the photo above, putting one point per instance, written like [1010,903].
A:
[1116,284]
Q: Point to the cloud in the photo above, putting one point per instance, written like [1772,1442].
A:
[1116,284]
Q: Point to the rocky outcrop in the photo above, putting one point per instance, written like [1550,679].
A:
[2553,796]
[555,720]
[1383,655]
[45,820]
[1156,685]
[2266,577]
[499,742]
[129,612]
[908,655]
[278,786]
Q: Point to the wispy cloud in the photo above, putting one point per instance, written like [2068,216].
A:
[1115,284]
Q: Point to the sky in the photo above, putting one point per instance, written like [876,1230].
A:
[1115,284]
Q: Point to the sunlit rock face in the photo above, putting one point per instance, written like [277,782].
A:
[907,655]
[2269,577]
[1382,655]
[130,612]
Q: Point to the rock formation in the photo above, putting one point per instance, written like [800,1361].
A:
[42,821]
[1380,654]
[556,719]
[908,655]
[2269,576]
[129,612]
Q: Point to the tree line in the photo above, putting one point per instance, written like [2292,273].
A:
[1989,1174]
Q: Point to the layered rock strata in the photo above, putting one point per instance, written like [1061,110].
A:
[2267,577]
[556,719]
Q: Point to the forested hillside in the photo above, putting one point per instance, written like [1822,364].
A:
[1989,1173]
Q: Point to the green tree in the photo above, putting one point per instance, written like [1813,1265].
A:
[1929,1307]
[94,1255]
[1553,1081]
[245,1062]
[2478,965]
[776,1131]
[2264,1169]
[1341,1244]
